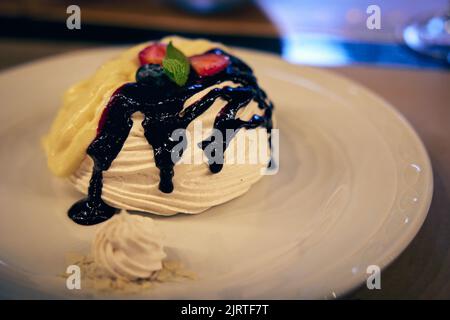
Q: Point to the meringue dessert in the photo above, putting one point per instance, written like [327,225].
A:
[113,137]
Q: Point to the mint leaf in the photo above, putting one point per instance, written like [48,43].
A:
[173,53]
[176,71]
[176,65]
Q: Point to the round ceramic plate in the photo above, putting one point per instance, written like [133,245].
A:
[353,188]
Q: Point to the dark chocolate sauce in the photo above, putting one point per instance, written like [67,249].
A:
[162,109]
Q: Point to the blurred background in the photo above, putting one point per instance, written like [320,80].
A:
[405,61]
[310,32]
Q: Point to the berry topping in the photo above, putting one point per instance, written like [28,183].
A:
[152,74]
[209,64]
[154,53]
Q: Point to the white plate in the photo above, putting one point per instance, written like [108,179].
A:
[353,189]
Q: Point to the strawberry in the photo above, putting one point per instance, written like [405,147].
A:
[153,54]
[209,64]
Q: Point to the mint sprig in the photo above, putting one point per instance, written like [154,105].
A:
[176,65]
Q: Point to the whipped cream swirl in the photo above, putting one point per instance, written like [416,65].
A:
[129,246]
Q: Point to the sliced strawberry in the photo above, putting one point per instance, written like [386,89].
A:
[209,64]
[154,54]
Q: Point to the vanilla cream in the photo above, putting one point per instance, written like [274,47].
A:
[128,246]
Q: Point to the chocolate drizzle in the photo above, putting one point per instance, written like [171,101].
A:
[163,114]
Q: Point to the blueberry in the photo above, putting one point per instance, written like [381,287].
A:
[152,74]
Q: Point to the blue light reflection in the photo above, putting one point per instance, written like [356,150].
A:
[315,50]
